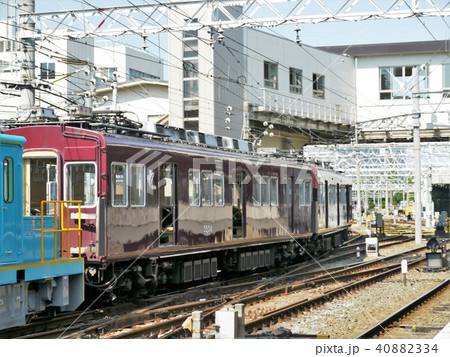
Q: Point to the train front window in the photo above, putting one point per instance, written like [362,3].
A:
[81,183]
[308,193]
[8,181]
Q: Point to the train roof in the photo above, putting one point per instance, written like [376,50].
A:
[12,139]
[333,176]
[166,137]
[159,136]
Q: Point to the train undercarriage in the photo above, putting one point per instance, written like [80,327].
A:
[126,280]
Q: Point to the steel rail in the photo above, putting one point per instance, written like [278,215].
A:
[397,315]
[295,308]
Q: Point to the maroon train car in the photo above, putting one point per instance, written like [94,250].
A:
[160,211]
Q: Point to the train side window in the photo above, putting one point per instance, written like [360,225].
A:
[257,190]
[343,199]
[194,187]
[206,188]
[218,184]
[81,183]
[287,191]
[119,185]
[321,194]
[8,179]
[265,192]
[274,191]
[308,193]
[302,197]
[332,194]
[137,187]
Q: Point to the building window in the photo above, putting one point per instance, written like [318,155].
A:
[7,46]
[191,125]
[190,47]
[190,89]
[8,179]
[81,183]
[47,70]
[446,84]
[398,82]
[295,80]
[135,74]
[104,75]
[270,75]
[119,185]
[190,79]
[137,185]
[190,69]
[318,86]
[191,108]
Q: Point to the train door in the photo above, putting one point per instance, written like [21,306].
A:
[338,204]
[238,197]
[167,182]
[327,205]
[40,181]
[288,197]
[10,215]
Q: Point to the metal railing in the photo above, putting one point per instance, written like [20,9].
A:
[63,230]
[311,108]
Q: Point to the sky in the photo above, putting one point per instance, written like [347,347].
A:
[322,34]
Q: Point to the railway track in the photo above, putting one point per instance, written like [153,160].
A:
[391,326]
[288,311]
[158,320]
[171,328]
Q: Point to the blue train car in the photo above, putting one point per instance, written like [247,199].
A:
[37,272]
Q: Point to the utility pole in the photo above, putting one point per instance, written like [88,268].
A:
[417,164]
[27,47]
[358,181]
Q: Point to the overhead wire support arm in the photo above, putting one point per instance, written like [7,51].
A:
[153,17]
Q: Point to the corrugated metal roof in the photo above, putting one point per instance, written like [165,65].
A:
[379,49]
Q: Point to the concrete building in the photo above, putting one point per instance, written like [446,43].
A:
[59,74]
[128,63]
[143,100]
[67,73]
[248,84]
[385,88]
[253,85]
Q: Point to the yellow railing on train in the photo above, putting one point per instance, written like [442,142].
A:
[64,228]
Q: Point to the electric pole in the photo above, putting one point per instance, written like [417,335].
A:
[27,47]
[417,164]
